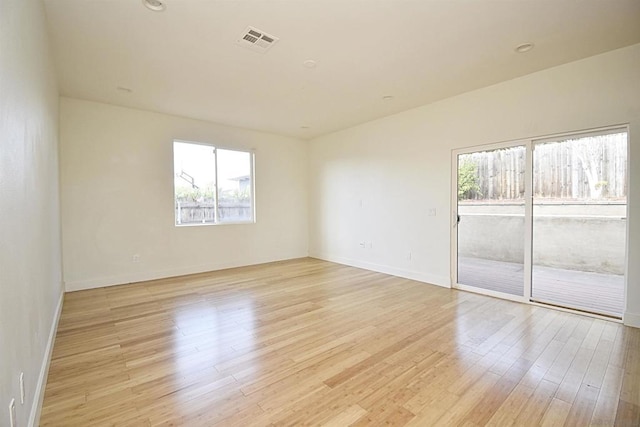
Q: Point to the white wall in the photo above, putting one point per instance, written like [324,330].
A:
[30,272]
[117,197]
[376,182]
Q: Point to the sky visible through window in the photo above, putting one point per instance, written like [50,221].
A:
[194,164]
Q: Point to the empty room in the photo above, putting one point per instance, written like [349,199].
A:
[319,212]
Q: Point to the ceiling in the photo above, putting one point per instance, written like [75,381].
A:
[185,60]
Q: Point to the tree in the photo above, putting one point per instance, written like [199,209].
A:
[589,152]
[467,179]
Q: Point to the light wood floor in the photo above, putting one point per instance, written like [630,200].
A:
[307,342]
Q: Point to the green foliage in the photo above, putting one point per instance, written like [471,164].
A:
[207,195]
[467,179]
[188,194]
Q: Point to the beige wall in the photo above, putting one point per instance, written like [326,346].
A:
[30,273]
[376,183]
[117,197]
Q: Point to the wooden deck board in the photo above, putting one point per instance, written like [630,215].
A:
[593,292]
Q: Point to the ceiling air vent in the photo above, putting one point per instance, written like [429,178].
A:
[256,40]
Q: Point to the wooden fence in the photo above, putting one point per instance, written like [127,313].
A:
[203,213]
[591,168]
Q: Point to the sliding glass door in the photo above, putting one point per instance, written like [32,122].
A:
[579,221]
[544,221]
[491,219]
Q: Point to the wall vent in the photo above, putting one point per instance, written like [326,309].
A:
[256,40]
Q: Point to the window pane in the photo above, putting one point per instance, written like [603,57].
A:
[194,167]
[579,222]
[234,186]
[491,222]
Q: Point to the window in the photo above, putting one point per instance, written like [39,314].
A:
[212,185]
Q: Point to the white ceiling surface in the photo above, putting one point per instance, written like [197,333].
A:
[185,60]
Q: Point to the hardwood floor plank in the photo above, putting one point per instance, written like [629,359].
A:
[347,417]
[556,414]
[582,409]
[604,413]
[466,403]
[630,390]
[495,397]
[534,410]
[512,406]
[627,415]
[308,342]
[572,380]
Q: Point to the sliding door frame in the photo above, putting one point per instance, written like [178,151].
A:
[584,134]
[527,219]
[529,144]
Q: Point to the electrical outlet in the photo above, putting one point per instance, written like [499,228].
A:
[409,256]
[12,413]
[135,258]
[22,388]
[363,245]
[431,212]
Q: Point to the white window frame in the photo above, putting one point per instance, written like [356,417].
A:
[216,221]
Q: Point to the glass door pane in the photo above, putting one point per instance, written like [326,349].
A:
[491,221]
[579,222]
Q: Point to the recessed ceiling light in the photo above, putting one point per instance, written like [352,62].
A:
[387,98]
[155,5]
[124,89]
[310,63]
[524,47]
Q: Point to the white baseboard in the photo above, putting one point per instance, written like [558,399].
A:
[142,276]
[442,281]
[38,397]
[631,319]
